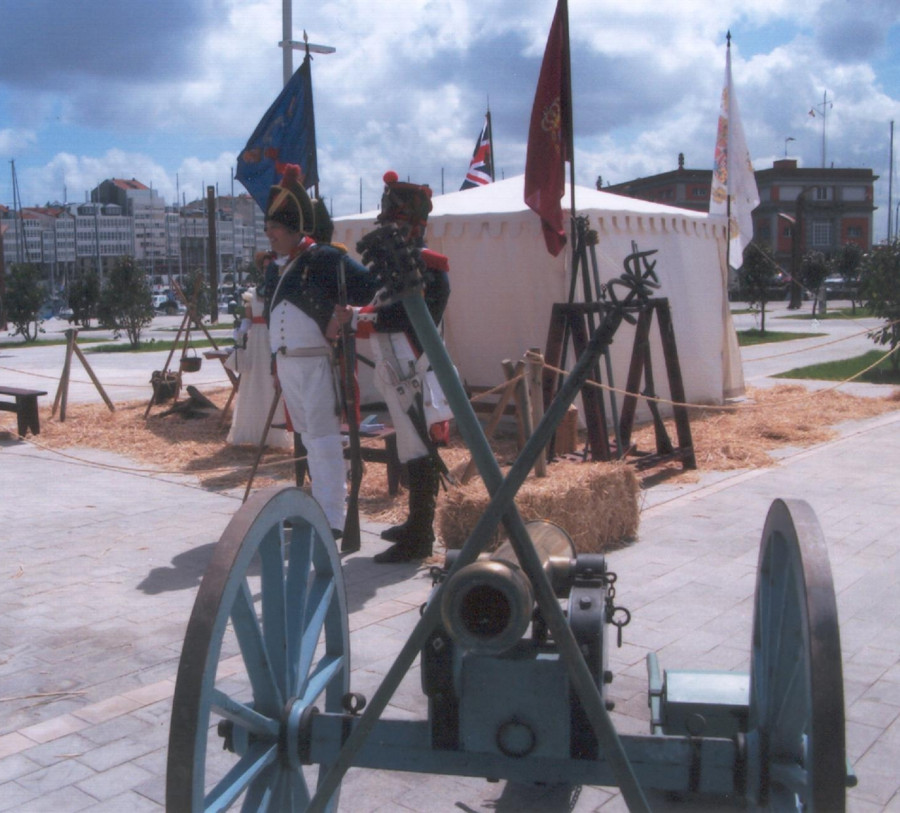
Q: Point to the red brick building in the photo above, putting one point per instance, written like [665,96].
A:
[837,204]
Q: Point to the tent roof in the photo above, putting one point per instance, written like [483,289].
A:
[506,197]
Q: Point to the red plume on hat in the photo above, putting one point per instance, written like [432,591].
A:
[405,204]
[288,203]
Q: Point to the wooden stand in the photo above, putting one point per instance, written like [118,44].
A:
[523,392]
[62,391]
[234,378]
[641,365]
[190,318]
[572,319]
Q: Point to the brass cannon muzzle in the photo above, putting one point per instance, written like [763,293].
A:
[487,605]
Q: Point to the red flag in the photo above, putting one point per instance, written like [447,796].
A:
[550,134]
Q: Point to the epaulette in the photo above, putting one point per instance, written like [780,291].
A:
[438,262]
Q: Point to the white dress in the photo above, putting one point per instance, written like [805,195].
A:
[256,390]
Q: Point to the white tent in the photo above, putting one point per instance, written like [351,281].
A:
[504,282]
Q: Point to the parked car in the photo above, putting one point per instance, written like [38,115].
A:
[836,287]
[163,303]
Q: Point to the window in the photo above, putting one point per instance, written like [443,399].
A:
[854,232]
[821,233]
[823,193]
[854,193]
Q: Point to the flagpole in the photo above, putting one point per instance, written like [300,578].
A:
[570,118]
[491,141]
[728,148]
[287,58]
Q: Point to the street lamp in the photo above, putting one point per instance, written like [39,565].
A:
[823,109]
[288,45]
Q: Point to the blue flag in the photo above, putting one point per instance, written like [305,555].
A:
[285,135]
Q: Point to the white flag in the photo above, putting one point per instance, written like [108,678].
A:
[733,174]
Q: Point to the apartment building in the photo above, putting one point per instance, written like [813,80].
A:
[126,217]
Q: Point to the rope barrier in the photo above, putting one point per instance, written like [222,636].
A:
[867,331]
[720,407]
[150,474]
[528,356]
[727,407]
[494,390]
[217,382]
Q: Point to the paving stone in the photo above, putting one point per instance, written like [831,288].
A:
[14,797]
[108,784]
[103,591]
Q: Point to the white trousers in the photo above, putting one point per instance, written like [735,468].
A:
[309,393]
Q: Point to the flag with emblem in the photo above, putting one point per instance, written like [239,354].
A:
[286,134]
[733,192]
[481,168]
[550,134]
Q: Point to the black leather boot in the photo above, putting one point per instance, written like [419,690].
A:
[415,538]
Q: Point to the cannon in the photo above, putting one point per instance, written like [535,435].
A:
[264,717]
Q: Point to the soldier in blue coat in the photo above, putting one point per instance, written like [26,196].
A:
[302,307]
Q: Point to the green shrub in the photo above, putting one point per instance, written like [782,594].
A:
[126,301]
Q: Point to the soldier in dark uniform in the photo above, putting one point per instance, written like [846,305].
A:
[402,372]
[304,318]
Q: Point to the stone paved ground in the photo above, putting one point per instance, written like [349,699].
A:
[101,561]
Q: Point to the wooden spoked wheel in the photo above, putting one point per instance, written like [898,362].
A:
[267,641]
[795,734]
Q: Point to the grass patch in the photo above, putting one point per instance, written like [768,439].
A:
[150,346]
[754,336]
[48,342]
[883,373]
[832,313]
[211,328]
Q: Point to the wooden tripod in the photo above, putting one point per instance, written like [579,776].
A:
[62,391]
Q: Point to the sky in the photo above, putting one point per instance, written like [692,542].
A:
[169,91]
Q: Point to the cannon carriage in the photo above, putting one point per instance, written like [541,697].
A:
[513,650]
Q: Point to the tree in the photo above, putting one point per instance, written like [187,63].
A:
[24,297]
[813,270]
[846,263]
[197,279]
[126,301]
[84,297]
[758,275]
[879,276]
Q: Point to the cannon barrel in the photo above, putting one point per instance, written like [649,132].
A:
[487,605]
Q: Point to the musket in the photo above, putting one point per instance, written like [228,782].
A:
[261,448]
[350,541]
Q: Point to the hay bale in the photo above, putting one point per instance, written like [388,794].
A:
[596,503]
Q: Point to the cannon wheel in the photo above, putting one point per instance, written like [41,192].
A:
[796,716]
[268,637]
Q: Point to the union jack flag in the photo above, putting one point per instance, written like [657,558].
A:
[481,169]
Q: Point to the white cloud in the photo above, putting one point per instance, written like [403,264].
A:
[16,141]
[408,85]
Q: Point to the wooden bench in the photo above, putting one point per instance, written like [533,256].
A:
[25,406]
